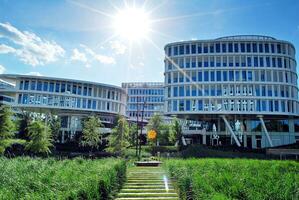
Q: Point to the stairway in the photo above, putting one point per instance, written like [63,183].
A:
[147,183]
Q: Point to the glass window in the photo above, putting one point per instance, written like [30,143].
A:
[181,91]
[266,48]
[193,91]
[33,85]
[242,47]
[237,76]
[249,61]
[236,47]
[269,91]
[200,76]
[255,62]
[21,85]
[74,90]
[211,48]
[261,50]
[199,61]
[249,75]
[199,104]
[57,87]
[224,75]
[193,49]
[254,47]
[218,75]
[175,105]
[244,77]
[39,86]
[278,48]
[273,62]
[212,61]
[181,105]
[230,47]
[80,90]
[231,75]
[193,62]
[279,62]
[272,48]
[212,73]
[224,59]
[206,76]
[206,62]
[45,86]
[175,91]
[62,87]
[181,49]
[261,61]
[187,49]
[264,105]
[205,48]
[217,48]
[268,62]
[187,91]
[248,47]
[223,48]
[188,105]
[175,51]
[169,51]
[257,90]
[84,91]
[199,48]
[51,87]
[26,85]
[263,90]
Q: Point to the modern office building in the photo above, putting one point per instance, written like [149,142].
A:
[71,99]
[238,89]
[144,98]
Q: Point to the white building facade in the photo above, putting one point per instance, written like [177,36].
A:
[250,80]
[144,98]
[71,99]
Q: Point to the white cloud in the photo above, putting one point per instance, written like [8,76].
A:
[98,57]
[34,73]
[2,69]
[79,56]
[31,49]
[6,49]
[118,47]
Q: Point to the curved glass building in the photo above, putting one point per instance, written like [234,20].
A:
[247,79]
[71,99]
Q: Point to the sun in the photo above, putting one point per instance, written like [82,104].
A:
[132,23]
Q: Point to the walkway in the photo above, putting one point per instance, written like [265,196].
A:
[147,183]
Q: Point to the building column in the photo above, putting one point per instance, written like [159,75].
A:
[265,130]
[204,139]
[231,130]
[291,126]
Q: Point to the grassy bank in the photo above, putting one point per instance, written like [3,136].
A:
[235,178]
[27,178]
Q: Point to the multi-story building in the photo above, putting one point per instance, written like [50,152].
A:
[70,99]
[146,98]
[245,87]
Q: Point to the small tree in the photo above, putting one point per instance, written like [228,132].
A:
[176,133]
[132,134]
[91,136]
[55,125]
[156,124]
[40,139]
[6,128]
[119,138]
[24,119]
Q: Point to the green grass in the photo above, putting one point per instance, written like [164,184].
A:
[235,178]
[28,178]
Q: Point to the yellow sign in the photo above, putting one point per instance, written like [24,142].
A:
[152,134]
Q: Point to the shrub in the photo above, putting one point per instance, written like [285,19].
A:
[27,178]
[234,178]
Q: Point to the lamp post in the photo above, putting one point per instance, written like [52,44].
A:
[141,128]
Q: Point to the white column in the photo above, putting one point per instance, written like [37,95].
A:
[231,130]
[265,130]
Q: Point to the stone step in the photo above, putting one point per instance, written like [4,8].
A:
[141,190]
[147,198]
[147,194]
[146,186]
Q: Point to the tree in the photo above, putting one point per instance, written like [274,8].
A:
[6,129]
[40,139]
[176,133]
[156,124]
[91,136]
[24,119]
[55,125]
[119,138]
[132,134]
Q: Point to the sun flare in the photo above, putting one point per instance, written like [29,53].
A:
[132,23]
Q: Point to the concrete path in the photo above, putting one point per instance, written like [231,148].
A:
[147,183]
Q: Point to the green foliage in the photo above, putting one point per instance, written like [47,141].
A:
[176,133]
[132,134]
[234,178]
[6,128]
[24,119]
[40,139]
[42,179]
[91,136]
[55,125]
[156,124]
[119,138]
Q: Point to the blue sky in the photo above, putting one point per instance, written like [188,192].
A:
[72,38]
